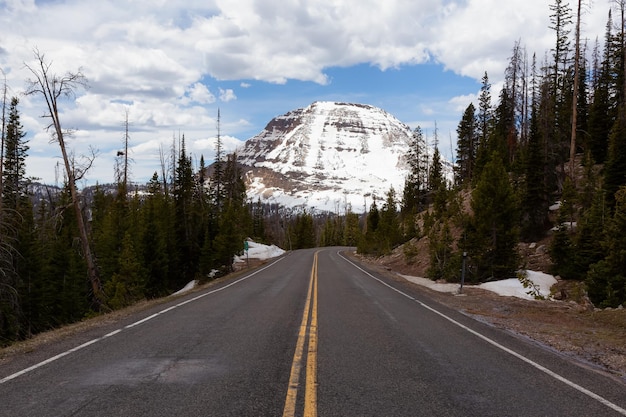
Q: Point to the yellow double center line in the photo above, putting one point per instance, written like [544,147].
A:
[307,327]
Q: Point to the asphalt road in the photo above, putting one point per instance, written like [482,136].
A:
[310,334]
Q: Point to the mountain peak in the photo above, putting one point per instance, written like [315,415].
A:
[329,156]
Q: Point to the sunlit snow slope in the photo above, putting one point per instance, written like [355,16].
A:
[327,156]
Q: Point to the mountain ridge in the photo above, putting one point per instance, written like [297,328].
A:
[329,156]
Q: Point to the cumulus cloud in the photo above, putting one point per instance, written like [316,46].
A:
[199,93]
[227,95]
[122,44]
[460,103]
[153,58]
[277,40]
[208,146]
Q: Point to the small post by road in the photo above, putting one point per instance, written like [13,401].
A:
[246,246]
[463,273]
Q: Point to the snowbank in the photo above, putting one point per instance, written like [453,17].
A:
[514,288]
[433,285]
[190,286]
[540,284]
[255,250]
[259,251]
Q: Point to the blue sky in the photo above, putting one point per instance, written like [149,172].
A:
[417,95]
[172,63]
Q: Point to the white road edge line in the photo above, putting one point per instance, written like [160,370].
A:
[113,333]
[542,368]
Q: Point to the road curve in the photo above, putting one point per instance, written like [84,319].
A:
[309,334]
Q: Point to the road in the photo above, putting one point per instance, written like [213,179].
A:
[309,334]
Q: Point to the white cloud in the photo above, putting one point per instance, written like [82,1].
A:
[460,103]
[227,95]
[124,44]
[427,110]
[152,58]
[208,145]
[199,93]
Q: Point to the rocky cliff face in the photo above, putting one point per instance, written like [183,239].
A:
[327,156]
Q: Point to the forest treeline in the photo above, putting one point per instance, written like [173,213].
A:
[555,137]
[145,242]
[557,133]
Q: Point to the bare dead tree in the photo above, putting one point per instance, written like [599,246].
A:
[8,294]
[122,160]
[51,88]
[126,138]
[572,146]
[621,4]
[86,161]
[164,169]
[2,138]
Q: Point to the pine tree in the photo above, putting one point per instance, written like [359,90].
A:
[615,168]
[218,167]
[443,264]
[188,249]
[562,248]
[229,240]
[126,286]
[484,119]
[303,232]
[388,230]
[352,233]
[493,236]
[155,254]
[235,222]
[111,221]
[504,138]
[435,174]
[416,181]
[330,232]
[466,147]
[437,184]
[606,281]
[560,21]
[106,230]
[369,243]
[14,170]
[373,218]
[62,285]
[559,92]
[589,236]
[533,196]
[15,225]
[602,111]
[258,221]
[485,113]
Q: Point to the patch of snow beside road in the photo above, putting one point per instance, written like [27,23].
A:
[508,287]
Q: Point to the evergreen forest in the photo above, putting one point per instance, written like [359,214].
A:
[545,159]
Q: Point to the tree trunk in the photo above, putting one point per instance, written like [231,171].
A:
[4,105]
[51,87]
[572,146]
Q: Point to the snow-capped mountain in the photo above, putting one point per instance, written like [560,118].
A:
[327,156]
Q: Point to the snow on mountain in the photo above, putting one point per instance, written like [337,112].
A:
[327,156]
